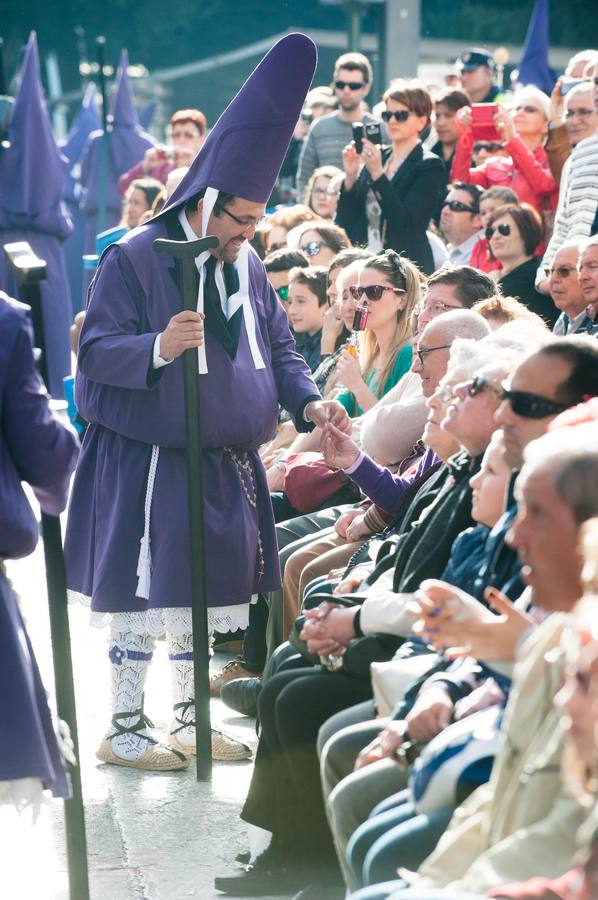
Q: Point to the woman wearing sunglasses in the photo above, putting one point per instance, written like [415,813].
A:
[390,287]
[525,169]
[513,234]
[320,241]
[389,194]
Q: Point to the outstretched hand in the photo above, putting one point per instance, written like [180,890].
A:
[339,449]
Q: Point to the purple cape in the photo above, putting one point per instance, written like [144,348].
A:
[32,173]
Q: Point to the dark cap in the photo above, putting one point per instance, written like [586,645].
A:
[472,58]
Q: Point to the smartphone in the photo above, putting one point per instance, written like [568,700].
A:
[483,126]
[358,136]
[373,133]
[568,83]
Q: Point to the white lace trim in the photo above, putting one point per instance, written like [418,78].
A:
[25,794]
[174,620]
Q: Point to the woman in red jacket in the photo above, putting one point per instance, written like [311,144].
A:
[525,170]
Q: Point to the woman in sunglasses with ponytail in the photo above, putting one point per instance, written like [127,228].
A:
[389,286]
[513,234]
[389,194]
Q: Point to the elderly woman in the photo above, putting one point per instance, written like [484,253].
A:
[389,194]
[513,233]
[525,169]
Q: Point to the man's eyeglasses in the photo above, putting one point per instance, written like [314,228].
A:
[246,223]
[531,406]
[401,115]
[561,271]
[435,307]
[457,206]
[352,85]
[372,291]
[283,292]
[422,352]
[504,228]
[581,111]
[479,384]
[314,247]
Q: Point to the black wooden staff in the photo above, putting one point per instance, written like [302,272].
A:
[185,252]
[29,272]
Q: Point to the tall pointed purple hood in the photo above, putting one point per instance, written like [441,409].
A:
[85,121]
[32,170]
[244,151]
[122,107]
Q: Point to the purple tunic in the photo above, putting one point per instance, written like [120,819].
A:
[34,447]
[131,407]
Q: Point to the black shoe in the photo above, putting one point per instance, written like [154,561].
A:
[267,877]
[241,695]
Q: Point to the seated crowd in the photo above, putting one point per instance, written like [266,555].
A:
[424,679]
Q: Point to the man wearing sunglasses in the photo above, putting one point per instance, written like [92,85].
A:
[566,292]
[460,221]
[328,135]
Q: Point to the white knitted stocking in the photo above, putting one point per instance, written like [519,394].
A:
[130,655]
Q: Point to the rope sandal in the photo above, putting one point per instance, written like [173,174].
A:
[224,748]
[157,757]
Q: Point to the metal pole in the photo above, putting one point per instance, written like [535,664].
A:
[185,253]
[3,89]
[354,11]
[29,272]
[104,148]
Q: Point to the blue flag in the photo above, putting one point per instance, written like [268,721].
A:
[534,68]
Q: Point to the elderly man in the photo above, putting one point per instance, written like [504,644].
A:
[578,197]
[460,221]
[572,119]
[588,279]
[567,294]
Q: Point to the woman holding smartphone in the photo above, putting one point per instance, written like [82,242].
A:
[389,194]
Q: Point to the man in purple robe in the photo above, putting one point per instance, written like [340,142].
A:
[127,541]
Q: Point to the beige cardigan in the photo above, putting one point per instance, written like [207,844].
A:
[524,821]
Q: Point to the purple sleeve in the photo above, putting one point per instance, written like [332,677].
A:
[116,346]
[384,488]
[42,448]
[294,382]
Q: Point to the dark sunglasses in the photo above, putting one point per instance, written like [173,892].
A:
[352,85]
[479,384]
[457,206]
[372,291]
[401,115]
[531,406]
[503,229]
[283,292]
[561,271]
[314,247]
[488,146]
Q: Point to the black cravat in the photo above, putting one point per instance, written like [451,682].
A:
[226,331]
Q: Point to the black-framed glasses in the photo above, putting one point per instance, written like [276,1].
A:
[314,247]
[457,206]
[561,271]
[283,292]
[531,406]
[352,85]
[372,291]
[479,384]
[246,223]
[422,352]
[504,228]
[401,115]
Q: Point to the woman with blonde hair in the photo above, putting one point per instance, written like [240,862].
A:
[389,285]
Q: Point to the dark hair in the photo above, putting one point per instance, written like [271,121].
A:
[581,352]
[452,99]
[354,62]
[315,279]
[412,93]
[221,200]
[282,260]
[150,187]
[527,222]
[470,284]
[505,194]
[474,191]
[195,116]
[332,235]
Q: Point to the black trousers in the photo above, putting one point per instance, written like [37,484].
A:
[285,795]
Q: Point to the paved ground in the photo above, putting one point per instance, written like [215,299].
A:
[150,836]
